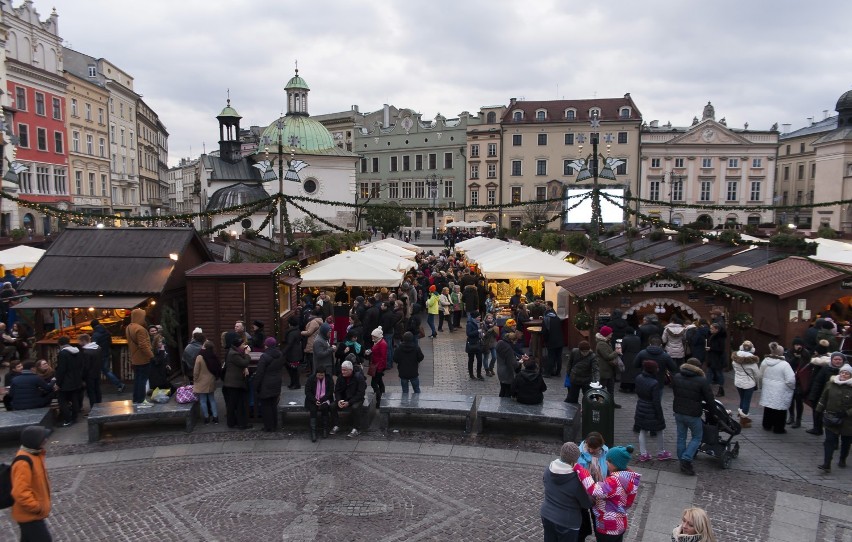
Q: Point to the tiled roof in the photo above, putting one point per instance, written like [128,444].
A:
[609,276]
[610,110]
[787,277]
[825,125]
[241,269]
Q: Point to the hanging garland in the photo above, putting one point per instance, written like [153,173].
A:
[743,321]
[701,284]
[316,217]
[582,321]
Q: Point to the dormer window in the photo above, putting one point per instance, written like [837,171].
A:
[624,113]
[595,112]
[570,114]
[518,116]
[541,114]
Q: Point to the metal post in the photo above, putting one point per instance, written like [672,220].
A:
[594,233]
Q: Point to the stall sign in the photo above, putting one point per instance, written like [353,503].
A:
[664,285]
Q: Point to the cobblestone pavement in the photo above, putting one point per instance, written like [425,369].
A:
[425,481]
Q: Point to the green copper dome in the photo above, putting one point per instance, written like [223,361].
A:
[229,112]
[297,82]
[300,132]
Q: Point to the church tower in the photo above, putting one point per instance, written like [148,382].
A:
[297,96]
[229,134]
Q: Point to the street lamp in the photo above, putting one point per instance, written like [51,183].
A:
[292,174]
[432,182]
[673,179]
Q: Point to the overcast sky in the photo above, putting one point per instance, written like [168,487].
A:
[759,62]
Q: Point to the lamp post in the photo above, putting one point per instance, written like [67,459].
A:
[292,174]
[589,169]
[672,180]
[432,182]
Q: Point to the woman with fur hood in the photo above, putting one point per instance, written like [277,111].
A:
[836,399]
[827,366]
[778,381]
[746,378]
[674,337]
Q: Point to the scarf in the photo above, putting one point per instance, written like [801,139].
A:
[355,345]
[211,362]
[595,465]
[320,389]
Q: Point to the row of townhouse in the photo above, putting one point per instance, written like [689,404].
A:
[79,136]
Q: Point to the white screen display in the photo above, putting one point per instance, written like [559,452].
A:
[582,214]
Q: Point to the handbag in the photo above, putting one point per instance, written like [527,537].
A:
[421,332]
[185,394]
[372,370]
[567,380]
[831,419]
[473,346]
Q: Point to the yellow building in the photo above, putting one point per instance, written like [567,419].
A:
[833,180]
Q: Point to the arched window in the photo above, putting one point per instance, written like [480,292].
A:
[491,118]
[570,114]
[518,115]
[541,114]
[595,112]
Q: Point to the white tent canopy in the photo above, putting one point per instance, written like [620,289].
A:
[468,244]
[20,256]
[390,248]
[353,268]
[459,224]
[830,250]
[399,243]
[529,264]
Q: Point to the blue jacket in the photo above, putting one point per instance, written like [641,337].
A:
[586,458]
[29,390]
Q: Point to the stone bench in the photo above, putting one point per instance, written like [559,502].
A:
[447,404]
[293,402]
[12,423]
[127,411]
[506,408]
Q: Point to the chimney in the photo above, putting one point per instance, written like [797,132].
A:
[786,128]
[355,108]
[512,101]
[810,121]
[386,116]
[655,124]
[627,96]
[824,114]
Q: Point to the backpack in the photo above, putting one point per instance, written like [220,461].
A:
[6,499]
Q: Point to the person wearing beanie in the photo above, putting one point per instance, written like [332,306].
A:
[607,360]
[256,337]
[746,378]
[30,485]
[565,498]
[691,390]
[799,359]
[834,405]
[323,353]
[614,495]
[378,364]
[649,417]
[473,345]
[349,390]
[528,386]
[582,370]
[827,370]
[267,383]
[777,382]
[432,308]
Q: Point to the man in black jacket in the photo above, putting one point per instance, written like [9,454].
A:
[29,390]
[554,340]
[655,352]
[69,378]
[691,391]
[103,339]
[349,393]
[528,387]
[90,354]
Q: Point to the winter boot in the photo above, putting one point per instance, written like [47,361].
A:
[797,423]
[313,429]
[721,392]
[325,426]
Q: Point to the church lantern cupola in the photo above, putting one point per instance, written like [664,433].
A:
[297,95]
[229,134]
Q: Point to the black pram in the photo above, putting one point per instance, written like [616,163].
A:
[719,429]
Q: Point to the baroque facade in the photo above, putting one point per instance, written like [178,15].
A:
[484,150]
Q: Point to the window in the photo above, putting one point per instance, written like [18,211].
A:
[492,150]
[78,182]
[706,162]
[363,164]
[121,109]
[655,162]
[567,170]
[406,163]
[570,114]
[491,118]
[39,103]
[90,144]
[420,189]
[59,180]
[518,115]
[21,98]
[788,149]
[418,162]
[624,114]
[622,168]
[41,138]
[786,173]
[375,164]
[516,168]
[26,182]
[406,189]
[733,162]
[622,138]
[376,189]
[43,179]
[813,170]
[800,169]
[474,151]
[678,162]
[474,196]
[540,193]
[111,106]
[677,190]
[541,114]
[123,144]
[75,141]
[58,143]
[101,116]
[112,133]
[393,190]
[448,160]
[731,192]
[394,163]
[448,189]
[89,112]
[541,167]
[798,196]
[124,165]
[801,147]
[654,193]
[754,193]
[474,171]
[57,109]
[74,107]
[491,196]
[492,171]
[516,194]
[517,139]
[569,139]
[114,163]
[103,185]
[542,139]
[757,162]
[131,139]
[91,184]
[23,136]
[364,190]
[93,71]
[433,160]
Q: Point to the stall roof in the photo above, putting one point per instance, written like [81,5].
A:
[223,268]
[609,276]
[390,248]
[353,268]
[112,260]
[788,277]
[20,256]
[530,265]
[77,301]
[400,243]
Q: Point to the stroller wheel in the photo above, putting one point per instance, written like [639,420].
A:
[736,451]
[726,459]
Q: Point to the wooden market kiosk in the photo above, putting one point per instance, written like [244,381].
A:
[104,273]
[639,288]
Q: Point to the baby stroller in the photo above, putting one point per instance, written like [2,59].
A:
[719,430]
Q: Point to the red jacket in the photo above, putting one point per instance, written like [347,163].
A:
[379,357]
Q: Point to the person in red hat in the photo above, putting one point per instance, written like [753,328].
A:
[607,360]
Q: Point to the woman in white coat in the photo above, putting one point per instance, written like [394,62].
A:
[746,378]
[778,381]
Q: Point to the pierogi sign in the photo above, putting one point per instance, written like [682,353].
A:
[663,285]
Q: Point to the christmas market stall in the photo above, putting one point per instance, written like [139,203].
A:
[788,296]
[103,273]
[19,260]
[638,289]
[219,294]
